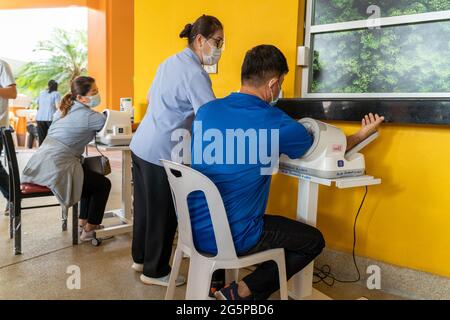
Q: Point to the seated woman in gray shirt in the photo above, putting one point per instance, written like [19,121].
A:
[57,164]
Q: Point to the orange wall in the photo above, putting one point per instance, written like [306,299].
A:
[111,49]
[97,44]
[120,37]
[29,4]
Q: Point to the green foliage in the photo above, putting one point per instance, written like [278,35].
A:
[67,60]
[332,11]
[400,59]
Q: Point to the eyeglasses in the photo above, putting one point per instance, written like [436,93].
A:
[219,42]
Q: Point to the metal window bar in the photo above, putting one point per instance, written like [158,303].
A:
[310,30]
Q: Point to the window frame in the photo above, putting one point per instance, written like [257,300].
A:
[311,30]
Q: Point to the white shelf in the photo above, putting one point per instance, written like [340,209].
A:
[344,183]
[106,148]
[357,182]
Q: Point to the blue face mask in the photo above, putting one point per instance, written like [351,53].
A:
[94,101]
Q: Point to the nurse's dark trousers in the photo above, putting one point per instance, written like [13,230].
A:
[155,220]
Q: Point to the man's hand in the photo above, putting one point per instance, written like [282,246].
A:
[370,124]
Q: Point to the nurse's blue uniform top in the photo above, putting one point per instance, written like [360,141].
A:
[48,103]
[245,191]
[180,88]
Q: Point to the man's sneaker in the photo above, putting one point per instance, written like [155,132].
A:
[216,286]
[163,282]
[138,267]
[230,293]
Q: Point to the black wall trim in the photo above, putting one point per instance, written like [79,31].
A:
[403,111]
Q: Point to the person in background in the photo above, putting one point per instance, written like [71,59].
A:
[58,162]
[32,134]
[244,187]
[48,103]
[180,87]
[8,91]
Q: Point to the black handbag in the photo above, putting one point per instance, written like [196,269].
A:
[99,164]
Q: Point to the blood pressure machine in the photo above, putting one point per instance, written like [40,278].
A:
[117,131]
[328,157]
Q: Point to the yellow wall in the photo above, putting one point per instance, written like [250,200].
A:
[247,23]
[406,220]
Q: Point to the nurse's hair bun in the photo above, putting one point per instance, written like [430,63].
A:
[186,33]
[206,26]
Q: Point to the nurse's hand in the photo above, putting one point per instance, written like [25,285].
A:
[370,124]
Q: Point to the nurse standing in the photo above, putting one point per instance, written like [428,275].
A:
[180,88]
[48,103]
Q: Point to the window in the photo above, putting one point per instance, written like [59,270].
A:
[378,48]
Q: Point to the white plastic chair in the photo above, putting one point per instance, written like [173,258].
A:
[184,181]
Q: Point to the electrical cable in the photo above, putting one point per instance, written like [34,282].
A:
[324,273]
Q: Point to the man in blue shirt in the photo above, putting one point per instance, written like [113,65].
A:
[253,135]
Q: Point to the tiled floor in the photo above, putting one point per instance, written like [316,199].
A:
[41,272]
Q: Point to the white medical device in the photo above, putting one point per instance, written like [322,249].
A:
[327,157]
[117,131]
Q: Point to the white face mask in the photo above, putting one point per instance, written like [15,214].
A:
[212,58]
[274,100]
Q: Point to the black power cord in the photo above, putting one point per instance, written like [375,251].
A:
[324,273]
